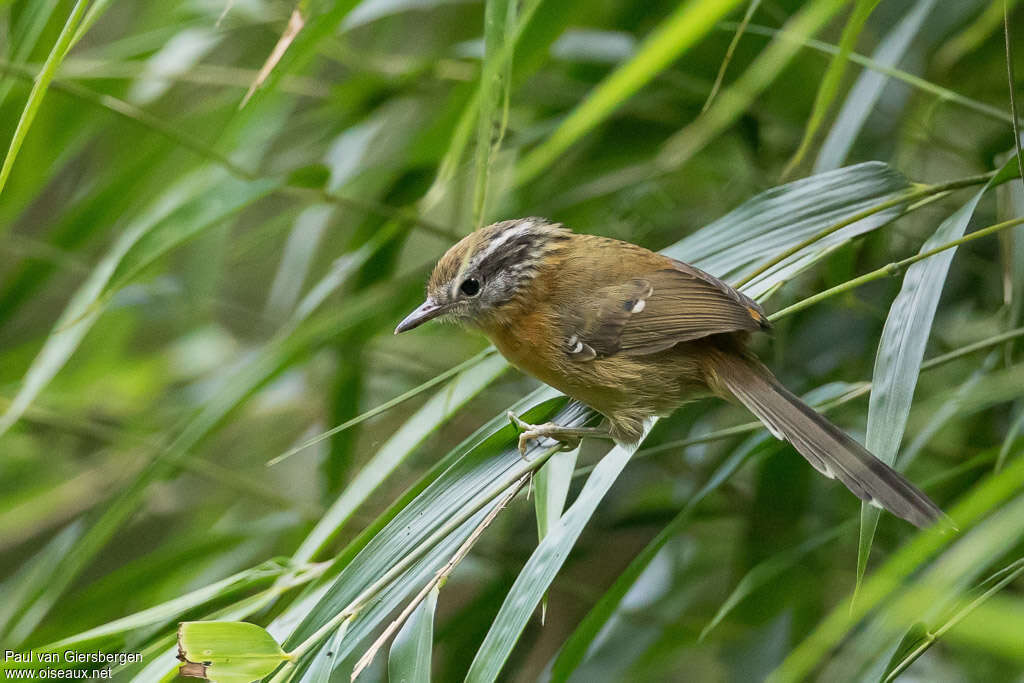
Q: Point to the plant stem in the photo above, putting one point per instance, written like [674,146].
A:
[891,268]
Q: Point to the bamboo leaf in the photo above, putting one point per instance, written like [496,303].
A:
[829,87]
[409,661]
[734,100]
[867,90]
[691,21]
[552,485]
[168,611]
[576,647]
[189,207]
[39,88]
[227,651]
[434,413]
[901,350]
[920,638]
[977,503]
[495,83]
[534,579]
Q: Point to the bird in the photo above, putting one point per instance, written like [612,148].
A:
[634,334]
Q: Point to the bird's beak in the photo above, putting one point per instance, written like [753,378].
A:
[428,310]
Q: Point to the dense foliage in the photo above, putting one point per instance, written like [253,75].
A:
[213,213]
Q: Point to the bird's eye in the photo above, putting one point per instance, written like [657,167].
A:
[470,286]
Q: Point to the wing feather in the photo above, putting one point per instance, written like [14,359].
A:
[652,313]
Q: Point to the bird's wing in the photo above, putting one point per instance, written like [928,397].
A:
[667,306]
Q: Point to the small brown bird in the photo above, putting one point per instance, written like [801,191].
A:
[634,334]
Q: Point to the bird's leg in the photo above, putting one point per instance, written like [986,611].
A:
[569,437]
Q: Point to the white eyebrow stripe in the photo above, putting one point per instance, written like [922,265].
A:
[505,237]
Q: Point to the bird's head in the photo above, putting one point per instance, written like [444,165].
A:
[487,271]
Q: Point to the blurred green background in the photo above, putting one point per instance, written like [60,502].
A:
[211,222]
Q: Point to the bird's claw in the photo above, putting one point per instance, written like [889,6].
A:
[527,432]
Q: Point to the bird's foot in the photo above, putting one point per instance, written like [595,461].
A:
[568,437]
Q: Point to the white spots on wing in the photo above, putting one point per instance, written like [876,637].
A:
[874,503]
[580,351]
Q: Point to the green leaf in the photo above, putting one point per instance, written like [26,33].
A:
[575,649]
[762,574]
[901,350]
[541,568]
[39,88]
[864,94]
[879,587]
[167,611]
[828,89]
[427,530]
[495,84]
[425,421]
[409,660]
[779,219]
[919,638]
[227,651]
[189,207]
[552,483]
[691,21]
[735,100]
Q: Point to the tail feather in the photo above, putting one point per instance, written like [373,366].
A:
[827,448]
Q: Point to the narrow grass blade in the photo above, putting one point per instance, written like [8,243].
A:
[973,35]
[387,405]
[495,83]
[188,208]
[552,490]
[740,30]
[31,581]
[766,571]
[24,36]
[411,652]
[976,504]
[920,638]
[736,99]
[864,94]
[540,570]
[575,649]
[829,87]
[942,93]
[1008,35]
[170,610]
[1016,430]
[39,88]
[901,350]
[295,23]
[691,21]
[434,413]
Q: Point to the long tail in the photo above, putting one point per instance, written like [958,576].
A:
[830,450]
